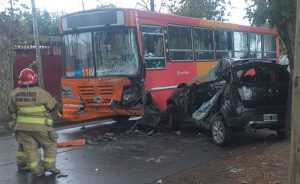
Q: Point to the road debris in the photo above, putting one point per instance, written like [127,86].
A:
[235,170]
[87,141]
[78,142]
[62,176]
[157,160]
[159,182]
[110,134]
[148,124]
[178,132]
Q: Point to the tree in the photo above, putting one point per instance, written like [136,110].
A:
[280,14]
[159,6]
[47,22]
[208,9]
[20,21]
[6,60]
[105,5]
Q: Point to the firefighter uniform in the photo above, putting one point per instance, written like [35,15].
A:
[31,107]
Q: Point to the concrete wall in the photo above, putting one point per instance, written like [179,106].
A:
[6,81]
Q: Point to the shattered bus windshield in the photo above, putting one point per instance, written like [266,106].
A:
[116,52]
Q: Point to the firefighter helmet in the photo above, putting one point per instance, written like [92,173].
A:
[28,77]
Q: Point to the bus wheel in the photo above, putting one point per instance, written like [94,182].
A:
[121,118]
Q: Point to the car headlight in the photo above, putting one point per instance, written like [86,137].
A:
[66,92]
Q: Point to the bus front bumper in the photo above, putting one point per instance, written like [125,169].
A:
[76,113]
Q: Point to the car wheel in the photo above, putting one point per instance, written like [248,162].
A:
[221,134]
[121,118]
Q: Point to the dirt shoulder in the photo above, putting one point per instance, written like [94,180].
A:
[264,163]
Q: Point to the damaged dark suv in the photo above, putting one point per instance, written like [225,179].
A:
[239,95]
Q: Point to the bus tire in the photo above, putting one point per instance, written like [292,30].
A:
[121,118]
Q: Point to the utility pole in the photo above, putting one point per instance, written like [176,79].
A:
[82,2]
[294,172]
[152,5]
[37,45]
[12,20]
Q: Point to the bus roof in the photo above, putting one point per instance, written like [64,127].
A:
[148,17]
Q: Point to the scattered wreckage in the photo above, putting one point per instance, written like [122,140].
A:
[233,95]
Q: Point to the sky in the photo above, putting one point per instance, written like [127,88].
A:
[68,6]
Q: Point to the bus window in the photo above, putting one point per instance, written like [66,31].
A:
[180,43]
[269,47]
[255,46]
[116,52]
[240,45]
[203,44]
[154,50]
[78,55]
[223,42]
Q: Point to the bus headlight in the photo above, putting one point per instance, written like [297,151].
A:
[128,94]
[66,92]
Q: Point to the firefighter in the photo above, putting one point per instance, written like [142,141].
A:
[32,108]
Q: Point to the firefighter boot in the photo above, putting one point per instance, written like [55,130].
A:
[36,169]
[23,167]
[51,168]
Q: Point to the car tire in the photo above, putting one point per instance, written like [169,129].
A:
[121,118]
[221,134]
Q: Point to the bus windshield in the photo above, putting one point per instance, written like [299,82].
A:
[101,53]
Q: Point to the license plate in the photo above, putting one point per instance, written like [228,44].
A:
[270,117]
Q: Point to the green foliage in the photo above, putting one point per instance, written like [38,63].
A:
[47,22]
[272,13]
[208,9]
[19,21]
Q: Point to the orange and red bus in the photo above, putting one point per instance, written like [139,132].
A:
[115,60]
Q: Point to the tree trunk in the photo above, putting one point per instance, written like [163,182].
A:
[294,172]
[6,60]
[287,34]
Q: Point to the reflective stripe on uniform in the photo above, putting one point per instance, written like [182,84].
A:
[34,165]
[49,160]
[27,110]
[34,120]
[20,155]
[13,115]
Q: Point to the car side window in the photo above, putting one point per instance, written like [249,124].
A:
[247,76]
[272,75]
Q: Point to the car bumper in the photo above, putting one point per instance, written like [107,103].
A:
[254,118]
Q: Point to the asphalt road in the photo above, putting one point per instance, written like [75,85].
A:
[130,159]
